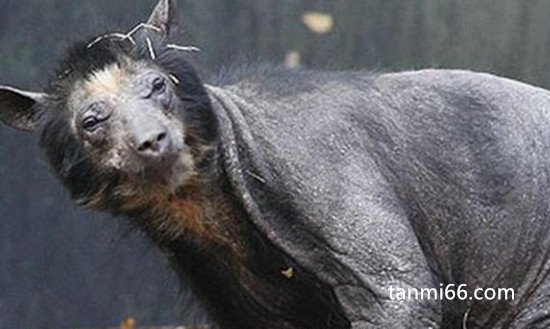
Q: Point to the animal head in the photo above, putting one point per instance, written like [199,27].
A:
[124,118]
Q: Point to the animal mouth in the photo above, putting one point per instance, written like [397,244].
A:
[161,165]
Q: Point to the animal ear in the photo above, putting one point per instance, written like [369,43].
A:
[164,16]
[18,108]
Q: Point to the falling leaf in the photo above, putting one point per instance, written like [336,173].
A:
[317,22]
[289,273]
[128,323]
[292,59]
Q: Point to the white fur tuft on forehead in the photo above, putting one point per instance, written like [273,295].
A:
[105,81]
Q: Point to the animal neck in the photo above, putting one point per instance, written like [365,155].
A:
[245,281]
[199,212]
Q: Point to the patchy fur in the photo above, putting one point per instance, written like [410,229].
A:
[99,69]
[107,81]
[111,90]
[294,199]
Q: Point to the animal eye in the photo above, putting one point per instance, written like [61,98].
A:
[158,86]
[90,123]
[94,116]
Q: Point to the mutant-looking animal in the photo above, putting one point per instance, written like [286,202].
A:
[300,199]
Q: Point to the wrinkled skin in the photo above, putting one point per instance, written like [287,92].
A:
[313,192]
[411,179]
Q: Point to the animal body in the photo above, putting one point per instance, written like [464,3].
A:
[296,199]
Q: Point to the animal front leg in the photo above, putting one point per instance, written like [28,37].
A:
[388,265]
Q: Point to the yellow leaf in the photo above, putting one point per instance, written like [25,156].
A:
[128,323]
[289,273]
[318,22]
[292,59]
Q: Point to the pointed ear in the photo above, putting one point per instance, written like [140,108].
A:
[18,108]
[164,16]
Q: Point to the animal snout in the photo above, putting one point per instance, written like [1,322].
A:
[153,144]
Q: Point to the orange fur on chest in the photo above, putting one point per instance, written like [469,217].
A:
[190,214]
[206,219]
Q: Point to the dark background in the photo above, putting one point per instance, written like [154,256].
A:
[61,267]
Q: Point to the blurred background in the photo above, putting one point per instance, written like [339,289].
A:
[61,267]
